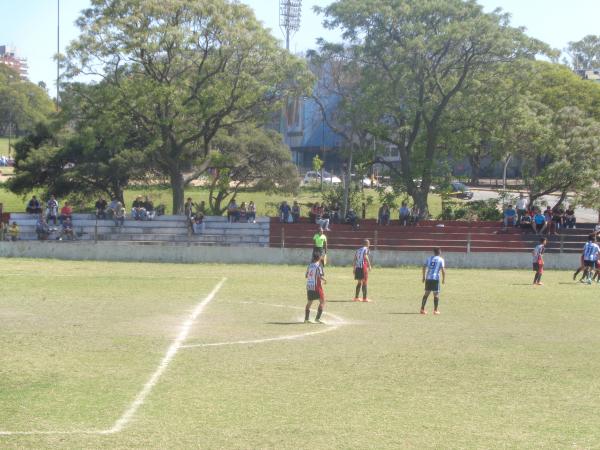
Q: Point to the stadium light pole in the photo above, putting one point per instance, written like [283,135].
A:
[57,52]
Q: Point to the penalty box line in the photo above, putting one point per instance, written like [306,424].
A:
[139,400]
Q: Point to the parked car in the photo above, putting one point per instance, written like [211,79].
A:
[461,190]
[315,177]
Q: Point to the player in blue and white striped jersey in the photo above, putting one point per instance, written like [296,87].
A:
[591,252]
[432,269]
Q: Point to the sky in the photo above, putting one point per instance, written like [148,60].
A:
[30,26]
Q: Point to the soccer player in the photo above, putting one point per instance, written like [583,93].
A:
[362,265]
[320,244]
[590,257]
[538,261]
[431,277]
[315,278]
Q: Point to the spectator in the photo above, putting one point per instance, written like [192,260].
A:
[33,207]
[119,215]
[101,208]
[296,212]
[384,215]
[233,212]
[149,208]
[334,213]
[112,208]
[52,209]
[415,214]
[251,212]
[243,212]
[201,208]
[137,209]
[404,214]
[322,219]
[558,218]
[314,212]
[66,212]
[13,232]
[539,223]
[188,208]
[42,229]
[285,213]
[570,221]
[67,230]
[548,216]
[3,230]
[510,217]
[352,219]
[522,204]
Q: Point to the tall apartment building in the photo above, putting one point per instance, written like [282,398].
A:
[9,58]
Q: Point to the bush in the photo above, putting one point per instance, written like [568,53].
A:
[475,210]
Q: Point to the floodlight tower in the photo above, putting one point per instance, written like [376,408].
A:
[289,18]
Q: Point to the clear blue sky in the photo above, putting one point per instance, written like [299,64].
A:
[30,25]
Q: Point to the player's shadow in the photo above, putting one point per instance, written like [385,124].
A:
[285,323]
[404,313]
[521,284]
[341,301]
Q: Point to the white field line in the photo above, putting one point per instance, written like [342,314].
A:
[328,327]
[147,388]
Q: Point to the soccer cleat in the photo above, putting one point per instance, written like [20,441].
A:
[436,312]
[356,299]
[319,321]
[540,283]
[423,311]
[366,300]
[307,321]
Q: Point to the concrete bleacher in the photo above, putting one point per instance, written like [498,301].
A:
[452,236]
[163,229]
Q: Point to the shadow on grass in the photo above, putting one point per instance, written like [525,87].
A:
[285,323]
[404,313]
[341,301]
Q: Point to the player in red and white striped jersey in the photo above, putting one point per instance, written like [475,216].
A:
[315,278]
[362,265]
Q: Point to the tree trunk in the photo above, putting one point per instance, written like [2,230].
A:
[475,161]
[347,183]
[420,199]
[178,187]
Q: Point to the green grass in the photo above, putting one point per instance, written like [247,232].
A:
[505,365]
[265,203]
[4,146]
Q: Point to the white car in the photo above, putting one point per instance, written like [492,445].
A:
[315,177]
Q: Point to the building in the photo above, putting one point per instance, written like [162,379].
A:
[589,74]
[10,59]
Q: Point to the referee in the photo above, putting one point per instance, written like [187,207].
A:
[320,243]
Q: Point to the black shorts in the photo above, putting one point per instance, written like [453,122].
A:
[360,274]
[432,286]
[587,263]
[318,251]
[315,295]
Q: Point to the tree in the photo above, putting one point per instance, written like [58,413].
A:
[184,71]
[246,155]
[22,103]
[585,54]
[84,151]
[416,56]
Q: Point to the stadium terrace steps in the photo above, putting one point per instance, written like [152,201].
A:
[162,229]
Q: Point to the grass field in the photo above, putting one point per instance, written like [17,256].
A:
[4,146]
[505,365]
[265,202]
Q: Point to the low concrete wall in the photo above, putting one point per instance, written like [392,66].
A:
[112,251]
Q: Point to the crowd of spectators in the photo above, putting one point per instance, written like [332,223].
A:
[241,213]
[531,217]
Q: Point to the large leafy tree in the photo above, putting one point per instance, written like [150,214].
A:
[416,57]
[585,53]
[184,71]
[22,103]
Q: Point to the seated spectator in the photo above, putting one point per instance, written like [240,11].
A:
[101,208]
[188,208]
[539,223]
[67,230]
[66,212]
[42,229]
[314,212]
[137,209]
[525,222]
[233,212]
[243,212]
[558,217]
[570,221]
[352,218]
[415,215]
[296,212]
[13,232]
[52,209]
[285,213]
[510,217]
[198,225]
[251,212]
[201,208]
[33,207]
[334,213]
[322,218]
[384,215]
[119,215]
[404,214]
[548,215]
[149,208]
[112,207]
